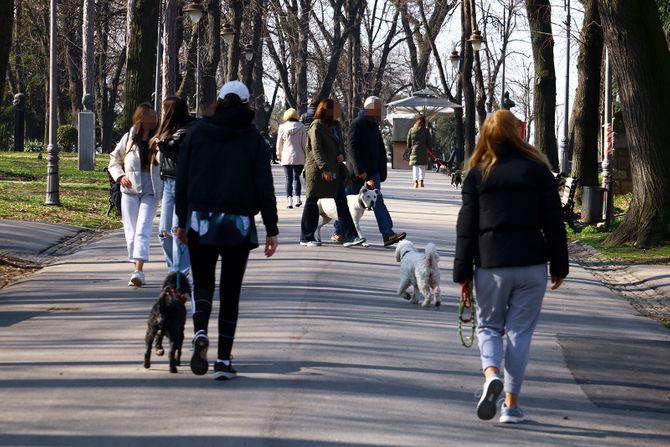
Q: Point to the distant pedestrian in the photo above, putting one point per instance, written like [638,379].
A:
[134,165]
[368,157]
[223,181]
[509,227]
[291,145]
[171,131]
[419,140]
[307,117]
[325,174]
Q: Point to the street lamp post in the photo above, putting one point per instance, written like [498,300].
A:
[195,12]
[227,34]
[52,196]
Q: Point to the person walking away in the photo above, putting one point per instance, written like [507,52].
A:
[134,166]
[171,131]
[223,180]
[509,227]
[291,144]
[368,158]
[324,175]
[419,140]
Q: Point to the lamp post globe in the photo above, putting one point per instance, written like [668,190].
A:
[455,59]
[227,33]
[248,52]
[195,11]
[476,40]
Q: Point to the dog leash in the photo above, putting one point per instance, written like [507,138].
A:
[467,303]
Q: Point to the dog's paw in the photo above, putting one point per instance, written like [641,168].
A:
[425,303]
[406,296]
[160,351]
[437,303]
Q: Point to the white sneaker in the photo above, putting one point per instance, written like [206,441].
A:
[137,279]
[289,202]
[297,201]
[488,403]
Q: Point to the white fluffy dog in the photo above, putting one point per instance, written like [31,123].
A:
[358,203]
[419,270]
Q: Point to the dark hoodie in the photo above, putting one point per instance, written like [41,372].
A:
[223,167]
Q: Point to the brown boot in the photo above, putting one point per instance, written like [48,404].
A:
[421,183]
[416,183]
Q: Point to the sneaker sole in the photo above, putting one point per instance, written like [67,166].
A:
[220,375]
[136,282]
[353,244]
[511,419]
[488,404]
[199,363]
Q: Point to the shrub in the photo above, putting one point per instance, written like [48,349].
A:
[33,146]
[67,137]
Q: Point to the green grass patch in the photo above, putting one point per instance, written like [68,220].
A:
[84,195]
[594,236]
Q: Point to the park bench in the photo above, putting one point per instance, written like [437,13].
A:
[567,187]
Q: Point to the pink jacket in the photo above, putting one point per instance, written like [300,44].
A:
[291,143]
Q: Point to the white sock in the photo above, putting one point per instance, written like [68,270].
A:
[225,362]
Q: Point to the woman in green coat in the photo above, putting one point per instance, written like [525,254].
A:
[323,174]
[419,140]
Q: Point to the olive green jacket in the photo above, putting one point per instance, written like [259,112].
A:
[419,140]
[322,152]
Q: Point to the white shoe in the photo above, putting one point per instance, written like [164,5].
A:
[488,403]
[137,279]
[297,201]
[289,202]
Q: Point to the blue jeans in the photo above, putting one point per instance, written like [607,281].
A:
[384,221]
[176,253]
[292,173]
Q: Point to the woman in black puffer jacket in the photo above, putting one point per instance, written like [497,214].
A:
[223,181]
[509,227]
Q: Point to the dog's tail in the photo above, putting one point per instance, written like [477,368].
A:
[432,258]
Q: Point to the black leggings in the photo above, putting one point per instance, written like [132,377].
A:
[203,266]
[292,173]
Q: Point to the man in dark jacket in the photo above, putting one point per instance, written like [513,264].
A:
[368,158]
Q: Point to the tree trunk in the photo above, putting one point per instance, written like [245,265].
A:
[585,110]
[466,79]
[170,56]
[301,90]
[544,103]
[234,53]
[88,49]
[210,47]
[6,27]
[640,60]
[141,57]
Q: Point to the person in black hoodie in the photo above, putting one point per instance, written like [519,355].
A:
[509,226]
[223,181]
[171,131]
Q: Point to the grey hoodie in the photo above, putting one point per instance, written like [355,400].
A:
[291,143]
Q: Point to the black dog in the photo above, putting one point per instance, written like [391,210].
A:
[168,317]
[456,179]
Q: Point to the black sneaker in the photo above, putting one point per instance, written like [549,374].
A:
[223,371]
[394,238]
[199,363]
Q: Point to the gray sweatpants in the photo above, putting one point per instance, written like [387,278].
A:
[508,302]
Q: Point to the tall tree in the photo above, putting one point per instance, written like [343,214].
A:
[640,58]
[6,27]
[542,42]
[141,56]
[210,47]
[585,109]
[170,56]
[467,59]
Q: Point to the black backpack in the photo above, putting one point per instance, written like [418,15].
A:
[114,195]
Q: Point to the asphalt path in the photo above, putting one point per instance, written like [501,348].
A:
[327,354]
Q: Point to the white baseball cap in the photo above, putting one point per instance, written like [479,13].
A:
[236,88]
[371,101]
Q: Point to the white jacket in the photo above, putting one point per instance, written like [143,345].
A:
[291,143]
[125,160]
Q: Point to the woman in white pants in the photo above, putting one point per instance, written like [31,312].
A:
[135,167]
[419,140]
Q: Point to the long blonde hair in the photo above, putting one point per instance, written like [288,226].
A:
[502,127]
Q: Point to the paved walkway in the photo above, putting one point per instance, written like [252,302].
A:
[327,354]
